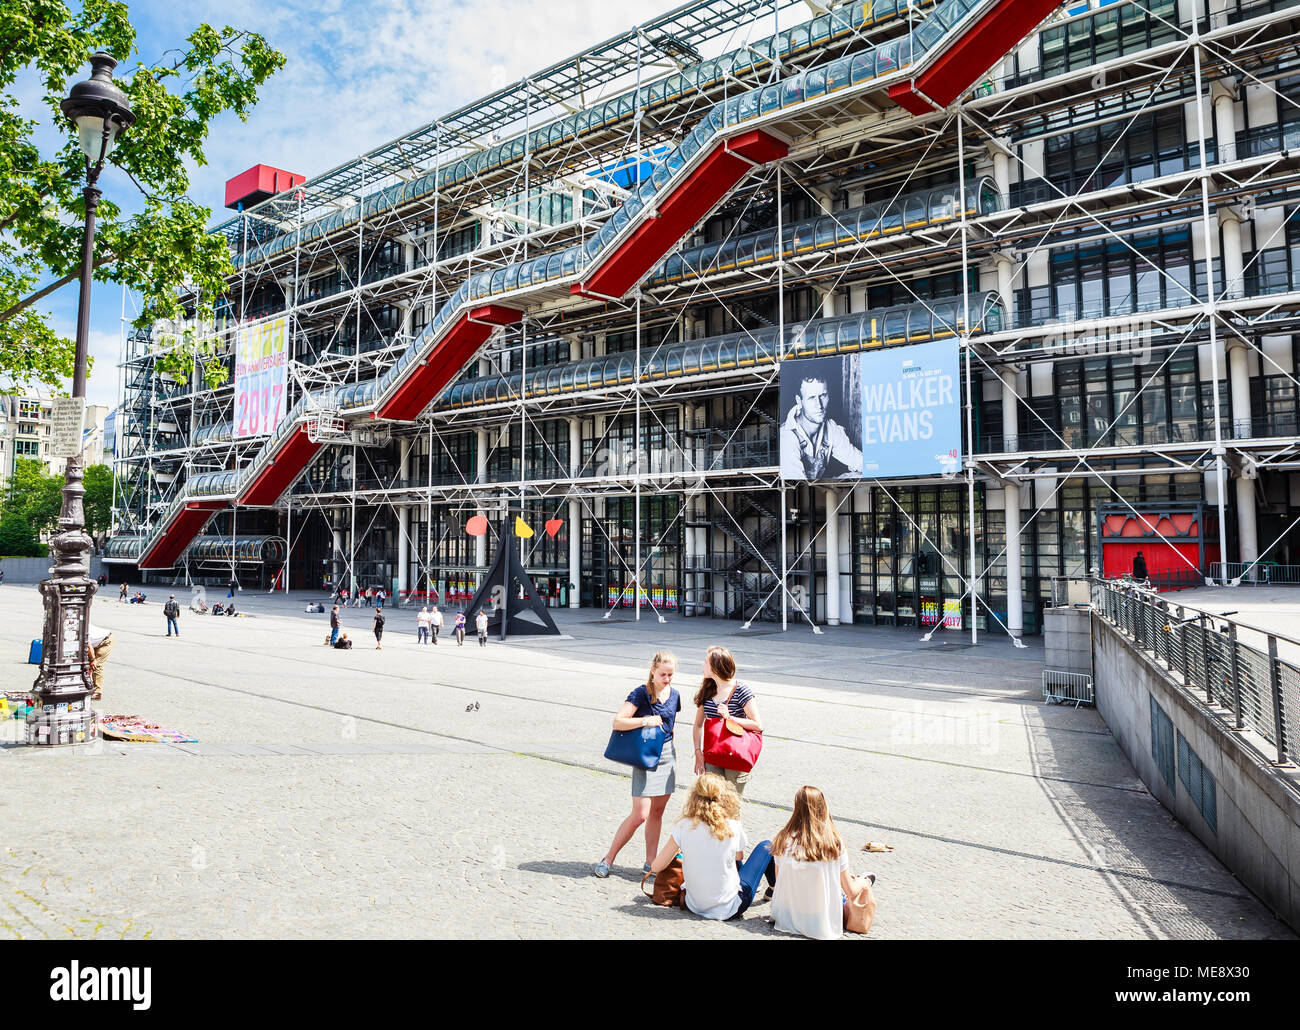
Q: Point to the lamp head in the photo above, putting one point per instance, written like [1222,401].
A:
[97,106]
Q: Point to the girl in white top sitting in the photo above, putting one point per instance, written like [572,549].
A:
[812,871]
[712,844]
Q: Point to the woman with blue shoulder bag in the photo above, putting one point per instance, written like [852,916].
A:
[649,712]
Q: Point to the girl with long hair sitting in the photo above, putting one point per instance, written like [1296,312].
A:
[812,872]
[712,844]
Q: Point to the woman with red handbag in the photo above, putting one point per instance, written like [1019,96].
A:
[655,703]
[721,696]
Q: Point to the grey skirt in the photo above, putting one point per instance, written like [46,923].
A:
[661,780]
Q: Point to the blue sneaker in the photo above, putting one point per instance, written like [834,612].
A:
[601,869]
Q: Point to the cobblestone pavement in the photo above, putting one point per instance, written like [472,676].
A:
[352,793]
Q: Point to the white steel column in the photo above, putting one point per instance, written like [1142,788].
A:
[1220,466]
[481,456]
[403,521]
[575,507]
[1011,500]
[832,557]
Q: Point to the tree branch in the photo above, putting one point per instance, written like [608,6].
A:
[45,291]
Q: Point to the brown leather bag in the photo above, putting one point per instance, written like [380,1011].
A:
[669,887]
[860,908]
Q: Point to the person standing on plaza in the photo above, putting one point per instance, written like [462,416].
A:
[173,612]
[422,625]
[722,695]
[460,629]
[379,629]
[334,624]
[233,585]
[99,645]
[369,594]
[121,594]
[1139,568]
[357,595]
[718,881]
[435,623]
[380,596]
[481,624]
[653,703]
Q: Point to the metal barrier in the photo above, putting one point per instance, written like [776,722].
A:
[1067,688]
[1241,685]
[1255,573]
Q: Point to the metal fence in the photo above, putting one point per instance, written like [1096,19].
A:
[1258,690]
[1262,573]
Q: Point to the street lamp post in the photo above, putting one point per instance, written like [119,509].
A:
[61,713]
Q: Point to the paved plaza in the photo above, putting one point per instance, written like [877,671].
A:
[462,792]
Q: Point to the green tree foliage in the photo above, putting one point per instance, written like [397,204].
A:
[34,495]
[98,502]
[164,252]
[16,537]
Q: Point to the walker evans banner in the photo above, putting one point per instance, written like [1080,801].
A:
[261,377]
[894,412]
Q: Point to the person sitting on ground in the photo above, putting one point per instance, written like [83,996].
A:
[712,844]
[343,643]
[813,881]
[139,598]
[218,608]
[230,608]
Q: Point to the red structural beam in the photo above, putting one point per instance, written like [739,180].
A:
[712,179]
[424,380]
[285,466]
[187,524]
[969,55]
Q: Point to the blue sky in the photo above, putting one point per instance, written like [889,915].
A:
[358,74]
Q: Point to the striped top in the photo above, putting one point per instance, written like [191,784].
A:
[740,697]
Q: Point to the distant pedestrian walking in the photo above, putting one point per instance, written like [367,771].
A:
[722,695]
[435,623]
[379,629]
[422,626]
[481,624]
[231,592]
[173,612]
[1139,567]
[334,625]
[369,594]
[460,629]
[380,596]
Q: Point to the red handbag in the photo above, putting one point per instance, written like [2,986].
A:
[730,747]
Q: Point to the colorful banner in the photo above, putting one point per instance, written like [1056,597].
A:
[261,377]
[873,415]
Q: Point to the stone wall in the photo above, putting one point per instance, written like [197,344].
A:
[1254,804]
[33,570]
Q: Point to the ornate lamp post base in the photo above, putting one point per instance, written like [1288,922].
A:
[48,728]
[62,713]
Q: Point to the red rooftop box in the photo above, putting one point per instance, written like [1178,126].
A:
[258,183]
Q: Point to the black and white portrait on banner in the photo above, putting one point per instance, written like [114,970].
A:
[821,418]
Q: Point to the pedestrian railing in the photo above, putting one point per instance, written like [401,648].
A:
[1243,686]
[1258,573]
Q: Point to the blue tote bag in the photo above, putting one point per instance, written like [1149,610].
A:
[639,748]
